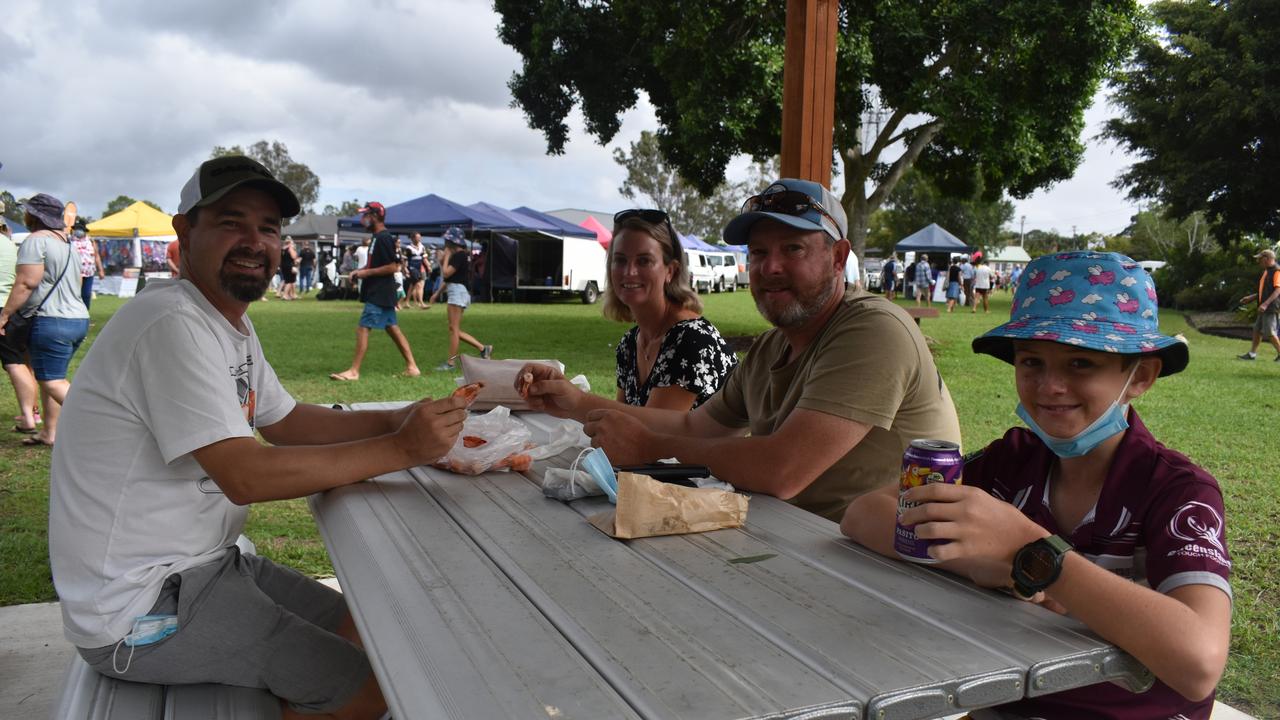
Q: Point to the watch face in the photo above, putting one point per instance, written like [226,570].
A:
[1038,564]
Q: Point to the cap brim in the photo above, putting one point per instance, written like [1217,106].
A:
[1119,339]
[739,228]
[288,202]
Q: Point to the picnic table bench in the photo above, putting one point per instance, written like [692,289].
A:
[917,313]
[92,696]
[479,597]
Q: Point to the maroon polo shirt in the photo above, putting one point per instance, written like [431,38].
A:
[1159,521]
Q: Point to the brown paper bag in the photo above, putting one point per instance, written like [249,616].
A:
[499,378]
[647,508]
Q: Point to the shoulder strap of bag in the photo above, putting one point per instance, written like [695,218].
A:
[53,287]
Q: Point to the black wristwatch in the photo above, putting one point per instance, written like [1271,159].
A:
[1038,564]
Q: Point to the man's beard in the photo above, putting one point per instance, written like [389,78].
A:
[807,305]
[243,287]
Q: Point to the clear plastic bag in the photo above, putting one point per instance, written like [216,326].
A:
[490,442]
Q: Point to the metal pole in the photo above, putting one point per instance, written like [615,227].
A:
[1022,233]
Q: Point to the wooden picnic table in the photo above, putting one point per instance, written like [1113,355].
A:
[478,597]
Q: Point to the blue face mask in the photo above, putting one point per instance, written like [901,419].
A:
[597,465]
[1110,423]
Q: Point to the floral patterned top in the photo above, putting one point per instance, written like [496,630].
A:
[693,357]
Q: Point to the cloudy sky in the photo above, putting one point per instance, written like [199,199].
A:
[111,97]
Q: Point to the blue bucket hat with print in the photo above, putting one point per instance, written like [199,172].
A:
[802,204]
[1098,301]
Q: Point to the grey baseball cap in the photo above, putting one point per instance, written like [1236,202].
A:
[802,204]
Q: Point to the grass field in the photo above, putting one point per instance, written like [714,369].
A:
[1219,412]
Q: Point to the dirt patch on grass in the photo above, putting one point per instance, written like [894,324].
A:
[1220,324]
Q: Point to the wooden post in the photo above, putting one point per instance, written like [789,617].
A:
[809,90]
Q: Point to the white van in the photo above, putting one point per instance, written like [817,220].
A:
[712,271]
[701,276]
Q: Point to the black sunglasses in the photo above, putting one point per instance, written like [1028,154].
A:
[787,202]
[651,216]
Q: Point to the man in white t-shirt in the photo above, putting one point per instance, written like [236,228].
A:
[147,502]
[852,273]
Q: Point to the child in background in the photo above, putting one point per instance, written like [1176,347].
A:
[1084,512]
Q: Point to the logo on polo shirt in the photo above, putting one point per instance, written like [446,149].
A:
[1201,527]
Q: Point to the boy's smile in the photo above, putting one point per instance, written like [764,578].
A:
[1065,388]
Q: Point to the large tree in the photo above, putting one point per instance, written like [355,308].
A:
[969,90]
[1201,109]
[918,202]
[275,156]
[655,181]
[346,209]
[123,201]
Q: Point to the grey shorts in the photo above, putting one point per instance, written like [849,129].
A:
[246,621]
[1267,325]
[457,294]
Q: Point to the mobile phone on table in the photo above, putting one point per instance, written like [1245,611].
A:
[674,473]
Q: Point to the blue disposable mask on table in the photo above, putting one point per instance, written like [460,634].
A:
[597,465]
[1112,422]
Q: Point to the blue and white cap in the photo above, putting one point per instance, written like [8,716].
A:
[1098,301]
[771,203]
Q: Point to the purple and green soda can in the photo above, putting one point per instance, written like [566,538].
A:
[926,461]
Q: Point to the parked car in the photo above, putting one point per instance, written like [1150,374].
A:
[724,268]
[701,274]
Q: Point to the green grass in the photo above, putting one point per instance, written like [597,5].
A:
[1218,412]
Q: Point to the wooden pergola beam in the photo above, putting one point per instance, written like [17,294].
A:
[809,90]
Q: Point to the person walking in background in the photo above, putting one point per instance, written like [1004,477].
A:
[13,345]
[852,271]
[955,277]
[288,275]
[983,279]
[1267,324]
[378,292]
[889,277]
[923,281]
[417,265]
[456,273]
[306,267]
[90,263]
[434,280]
[46,293]
[967,268]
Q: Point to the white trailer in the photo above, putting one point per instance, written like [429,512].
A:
[549,265]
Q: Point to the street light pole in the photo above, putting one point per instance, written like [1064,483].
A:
[1022,233]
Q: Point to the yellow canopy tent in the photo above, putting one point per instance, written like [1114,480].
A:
[148,221]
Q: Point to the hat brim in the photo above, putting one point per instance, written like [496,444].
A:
[49,219]
[284,197]
[739,229]
[1098,335]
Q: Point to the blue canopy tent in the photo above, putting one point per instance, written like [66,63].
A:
[432,214]
[15,227]
[932,239]
[564,227]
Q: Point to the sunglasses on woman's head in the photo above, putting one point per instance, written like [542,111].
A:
[787,202]
[651,216]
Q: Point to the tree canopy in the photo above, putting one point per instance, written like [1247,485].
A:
[1200,107]
[652,178]
[275,156]
[975,93]
[346,209]
[123,201]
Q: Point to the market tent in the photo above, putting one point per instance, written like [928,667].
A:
[312,227]
[564,227]
[693,242]
[515,218]
[140,217]
[602,233]
[1010,254]
[932,239]
[432,214]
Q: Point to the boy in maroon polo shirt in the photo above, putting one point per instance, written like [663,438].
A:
[1085,512]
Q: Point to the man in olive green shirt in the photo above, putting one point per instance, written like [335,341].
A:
[830,397]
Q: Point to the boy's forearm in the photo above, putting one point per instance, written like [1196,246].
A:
[1166,635]
[870,520]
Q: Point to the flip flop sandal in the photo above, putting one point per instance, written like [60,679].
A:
[25,431]
[34,441]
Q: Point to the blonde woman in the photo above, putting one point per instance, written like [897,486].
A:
[672,358]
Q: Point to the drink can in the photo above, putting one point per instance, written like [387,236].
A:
[926,461]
